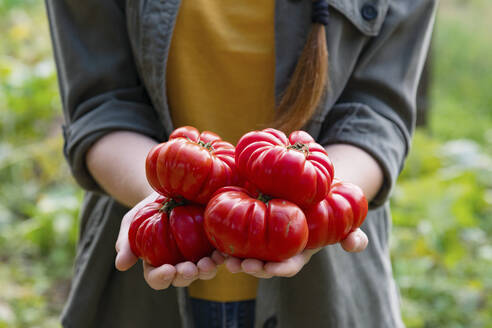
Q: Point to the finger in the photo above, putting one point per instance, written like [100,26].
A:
[287,268]
[207,268]
[252,265]
[186,273]
[356,241]
[159,277]
[233,264]
[255,268]
[262,275]
[124,227]
[125,258]
[290,267]
[218,258]
[127,220]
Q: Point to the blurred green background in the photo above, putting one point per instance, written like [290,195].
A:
[442,207]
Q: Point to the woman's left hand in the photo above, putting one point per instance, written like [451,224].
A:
[356,241]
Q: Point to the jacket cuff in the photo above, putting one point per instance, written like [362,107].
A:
[114,115]
[358,125]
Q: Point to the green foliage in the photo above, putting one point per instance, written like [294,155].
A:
[442,207]
[38,200]
[463,70]
[6,5]
[441,255]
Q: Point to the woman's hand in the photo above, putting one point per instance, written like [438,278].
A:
[356,241]
[180,275]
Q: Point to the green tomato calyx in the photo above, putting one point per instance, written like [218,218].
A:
[171,204]
[264,198]
[300,147]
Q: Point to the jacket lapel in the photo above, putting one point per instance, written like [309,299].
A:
[159,18]
[292,24]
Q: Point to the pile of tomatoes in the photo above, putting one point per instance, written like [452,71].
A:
[268,198]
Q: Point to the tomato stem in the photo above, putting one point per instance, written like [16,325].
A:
[264,198]
[300,147]
[207,145]
[171,204]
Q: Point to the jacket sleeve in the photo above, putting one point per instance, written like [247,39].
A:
[99,84]
[376,111]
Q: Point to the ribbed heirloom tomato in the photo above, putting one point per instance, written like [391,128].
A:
[332,219]
[296,169]
[239,224]
[191,165]
[167,232]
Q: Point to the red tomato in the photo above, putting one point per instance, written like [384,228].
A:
[165,231]
[240,225]
[332,219]
[191,165]
[296,169]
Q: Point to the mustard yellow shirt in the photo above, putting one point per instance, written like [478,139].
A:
[221,64]
[220,76]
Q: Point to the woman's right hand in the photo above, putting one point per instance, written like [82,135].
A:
[179,275]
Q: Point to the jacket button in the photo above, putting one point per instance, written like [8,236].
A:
[369,12]
[271,322]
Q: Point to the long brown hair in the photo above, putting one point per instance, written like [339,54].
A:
[307,84]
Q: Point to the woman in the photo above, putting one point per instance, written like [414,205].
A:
[132,71]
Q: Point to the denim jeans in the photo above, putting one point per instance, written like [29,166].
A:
[210,314]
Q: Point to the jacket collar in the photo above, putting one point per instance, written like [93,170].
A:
[367,15]
[292,24]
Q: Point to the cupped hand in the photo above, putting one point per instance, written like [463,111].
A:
[182,274]
[179,275]
[356,241]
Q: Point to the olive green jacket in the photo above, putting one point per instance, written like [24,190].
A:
[111,58]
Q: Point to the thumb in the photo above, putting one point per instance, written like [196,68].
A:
[356,241]
[125,258]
